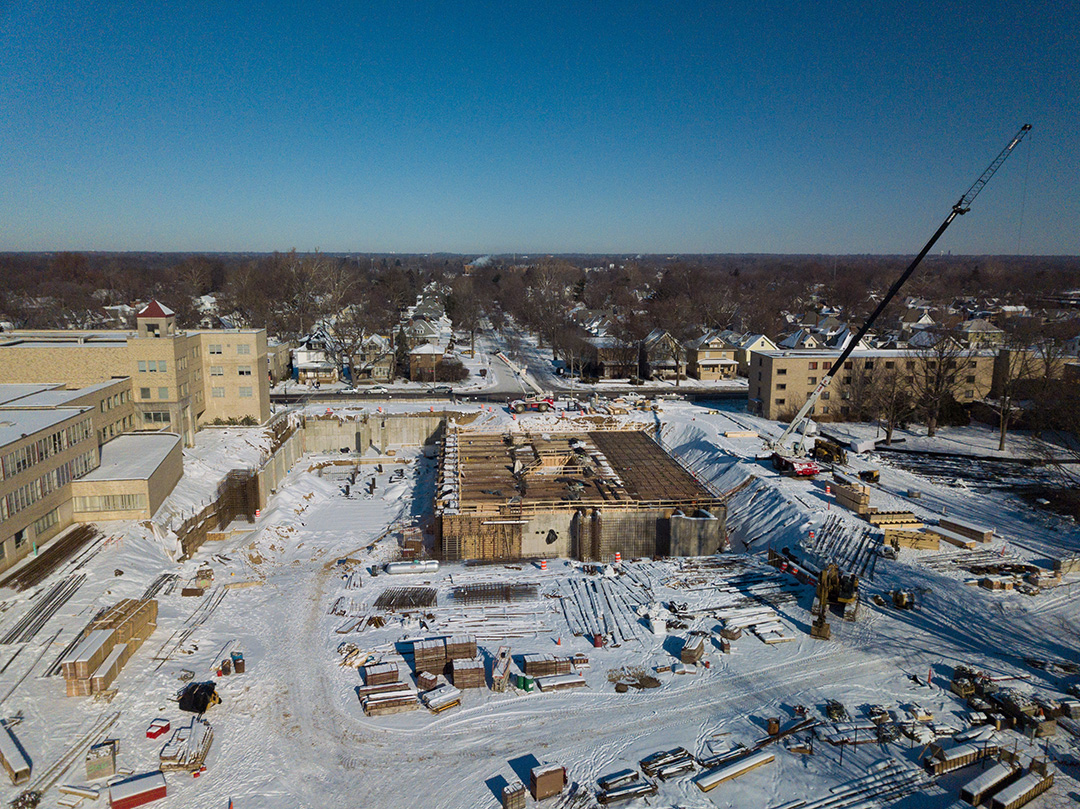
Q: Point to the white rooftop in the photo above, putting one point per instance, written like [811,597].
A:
[9,392]
[16,424]
[133,456]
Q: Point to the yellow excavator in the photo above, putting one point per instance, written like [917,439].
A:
[833,587]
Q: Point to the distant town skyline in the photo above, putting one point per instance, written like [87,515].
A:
[563,128]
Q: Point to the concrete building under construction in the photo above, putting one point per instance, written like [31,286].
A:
[586,494]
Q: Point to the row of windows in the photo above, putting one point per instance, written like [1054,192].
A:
[241,348]
[46,522]
[145,393]
[152,366]
[156,417]
[117,399]
[219,393]
[241,370]
[30,493]
[23,458]
[110,502]
[117,427]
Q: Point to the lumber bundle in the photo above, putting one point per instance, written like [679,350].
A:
[953,539]
[107,644]
[560,682]
[855,497]
[896,519]
[425,680]
[467,673]
[941,761]
[101,760]
[381,674]
[713,778]
[390,702]
[693,649]
[442,698]
[917,540]
[547,780]
[546,665]
[187,748]
[461,647]
[429,655]
[12,758]
[500,669]
[967,529]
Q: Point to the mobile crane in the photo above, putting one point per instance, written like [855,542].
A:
[785,457]
[541,400]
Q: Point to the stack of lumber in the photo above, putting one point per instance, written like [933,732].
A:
[967,529]
[959,540]
[12,757]
[918,540]
[941,761]
[668,763]
[693,649]
[381,674]
[106,646]
[727,772]
[513,796]
[429,655]
[851,494]
[467,673]
[546,665]
[461,647]
[547,780]
[500,669]
[1023,791]
[390,702]
[101,760]
[895,519]
[425,680]
[560,682]
[187,748]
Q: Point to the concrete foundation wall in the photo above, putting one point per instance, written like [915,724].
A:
[696,534]
[331,434]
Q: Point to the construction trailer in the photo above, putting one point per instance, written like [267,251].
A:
[573,493]
[12,756]
[138,790]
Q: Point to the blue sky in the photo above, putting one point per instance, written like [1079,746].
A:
[494,127]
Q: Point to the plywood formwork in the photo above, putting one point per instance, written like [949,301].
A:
[586,494]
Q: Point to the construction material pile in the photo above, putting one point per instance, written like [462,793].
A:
[106,646]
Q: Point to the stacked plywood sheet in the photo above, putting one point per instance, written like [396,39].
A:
[381,674]
[461,647]
[467,673]
[101,760]
[546,665]
[442,698]
[977,532]
[429,655]
[726,772]
[109,642]
[513,796]
[895,519]
[425,680]
[918,540]
[187,748]
[12,757]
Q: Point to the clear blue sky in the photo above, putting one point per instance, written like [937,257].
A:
[840,127]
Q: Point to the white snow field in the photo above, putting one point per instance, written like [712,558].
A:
[294,593]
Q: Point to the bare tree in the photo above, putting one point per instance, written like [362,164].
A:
[892,397]
[935,375]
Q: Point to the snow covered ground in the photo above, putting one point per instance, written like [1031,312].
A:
[291,732]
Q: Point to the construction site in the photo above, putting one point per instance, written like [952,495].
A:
[571,493]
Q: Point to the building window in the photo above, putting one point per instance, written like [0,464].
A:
[811,380]
[46,522]
[969,394]
[889,364]
[156,417]
[847,380]
[781,387]
[869,366]
[911,365]
[144,393]
[161,366]
[244,370]
[163,393]
[825,366]
[781,371]
[971,379]
[845,410]
[110,502]
[20,538]
[813,366]
[759,376]
[245,393]
[215,348]
[217,393]
[825,395]
[243,348]
[779,401]
[847,365]
[142,365]
[217,370]
[825,410]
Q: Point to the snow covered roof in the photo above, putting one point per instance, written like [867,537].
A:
[16,424]
[133,456]
[155,309]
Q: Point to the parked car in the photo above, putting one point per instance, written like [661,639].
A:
[443,390]
[378,389]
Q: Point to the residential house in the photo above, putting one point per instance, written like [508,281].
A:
[374,360]
[979,333]
[316,359]
[422,362]
[711,357]
[610,358]
[748,344]
[663,356]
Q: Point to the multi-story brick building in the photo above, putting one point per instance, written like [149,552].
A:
[781,381]
[177,379]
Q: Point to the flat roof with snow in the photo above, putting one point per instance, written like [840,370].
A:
[134,456]
[10,392]
[16,423]
[58,396]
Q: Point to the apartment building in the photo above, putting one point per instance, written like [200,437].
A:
[781,381]
[177,379]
